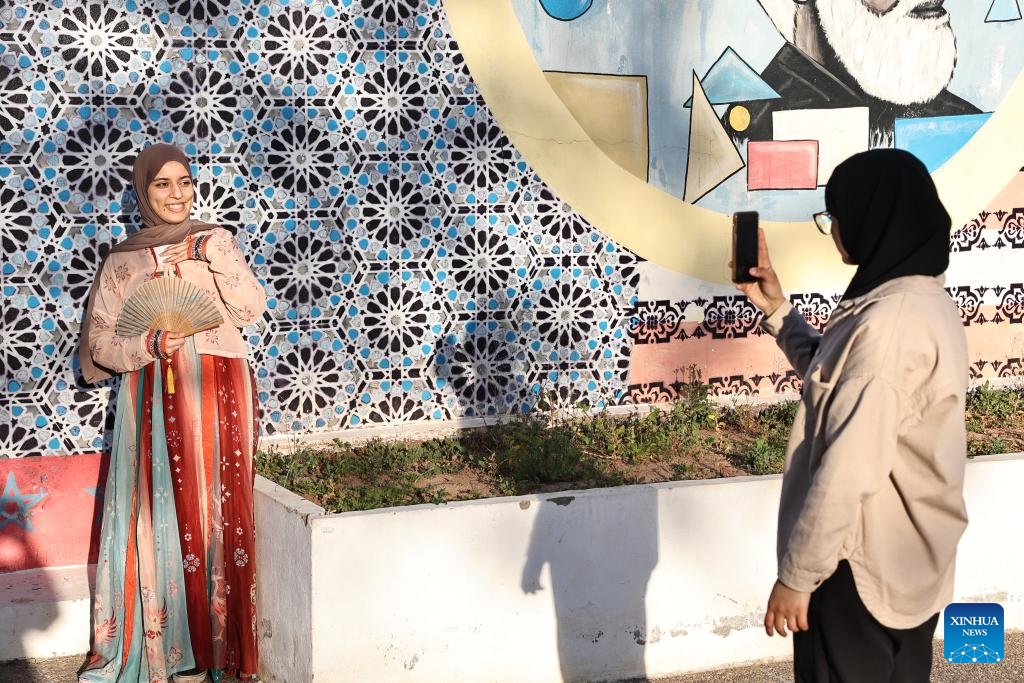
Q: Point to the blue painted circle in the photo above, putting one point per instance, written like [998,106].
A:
[566,10]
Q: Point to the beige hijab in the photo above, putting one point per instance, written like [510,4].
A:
[154,233]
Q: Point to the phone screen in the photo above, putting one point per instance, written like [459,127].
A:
[744,245]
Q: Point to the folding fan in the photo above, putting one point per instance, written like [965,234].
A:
[167,303]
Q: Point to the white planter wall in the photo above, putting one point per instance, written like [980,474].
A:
[283,579]
[45,612]
[641,580]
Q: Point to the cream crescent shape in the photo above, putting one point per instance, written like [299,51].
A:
[654,224]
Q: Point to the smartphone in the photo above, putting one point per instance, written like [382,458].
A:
[744,245]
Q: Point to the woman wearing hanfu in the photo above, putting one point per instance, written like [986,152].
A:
[175,588]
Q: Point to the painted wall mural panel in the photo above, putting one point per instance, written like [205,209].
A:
[793,95]
[431,253]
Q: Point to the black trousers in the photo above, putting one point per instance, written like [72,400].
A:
[845,644]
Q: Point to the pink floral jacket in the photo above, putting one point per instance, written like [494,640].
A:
[224,276]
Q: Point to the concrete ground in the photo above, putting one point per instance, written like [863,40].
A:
[55,670]
[1011,670]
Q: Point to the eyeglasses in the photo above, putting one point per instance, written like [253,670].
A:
[823,220]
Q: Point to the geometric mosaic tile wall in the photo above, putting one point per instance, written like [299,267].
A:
[417,268]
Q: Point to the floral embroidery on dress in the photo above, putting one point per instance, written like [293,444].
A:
[241,557]
[109,284]
[105,630]
[191,563]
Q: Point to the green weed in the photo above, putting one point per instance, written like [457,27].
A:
[764,457]
[545,450]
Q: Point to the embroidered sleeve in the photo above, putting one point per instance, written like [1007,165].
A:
[121,354]
[239,289]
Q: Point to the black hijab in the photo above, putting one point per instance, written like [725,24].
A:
[890,219]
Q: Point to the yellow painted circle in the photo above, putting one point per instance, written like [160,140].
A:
[739,118]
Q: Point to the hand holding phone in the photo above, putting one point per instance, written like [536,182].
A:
[744,245]
[750,250]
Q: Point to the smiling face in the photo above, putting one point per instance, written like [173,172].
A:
[900,51]
[171,193]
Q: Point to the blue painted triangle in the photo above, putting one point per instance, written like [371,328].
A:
[730,79]
[1003,10]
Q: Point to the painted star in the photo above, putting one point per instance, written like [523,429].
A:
[14,506]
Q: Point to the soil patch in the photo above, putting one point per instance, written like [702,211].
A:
[694,438]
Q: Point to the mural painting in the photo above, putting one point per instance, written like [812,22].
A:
[779,96]
[458,206]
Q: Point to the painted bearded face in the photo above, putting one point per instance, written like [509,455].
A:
[900,51]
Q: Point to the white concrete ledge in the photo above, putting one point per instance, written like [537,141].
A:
[45,612]
[576,586]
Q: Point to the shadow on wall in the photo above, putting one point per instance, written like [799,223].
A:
[27,599]
[482,362]
[599,587]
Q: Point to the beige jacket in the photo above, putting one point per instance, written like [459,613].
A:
[226,278]
[875,465]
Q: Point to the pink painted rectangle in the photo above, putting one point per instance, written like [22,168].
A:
[782,165]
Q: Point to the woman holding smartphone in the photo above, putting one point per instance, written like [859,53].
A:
[872,497]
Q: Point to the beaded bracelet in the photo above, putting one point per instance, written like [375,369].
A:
[153,342]
[197,247]
[156,343]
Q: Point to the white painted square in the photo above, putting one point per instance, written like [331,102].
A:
[840,133]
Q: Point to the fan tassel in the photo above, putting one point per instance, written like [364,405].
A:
[170,379]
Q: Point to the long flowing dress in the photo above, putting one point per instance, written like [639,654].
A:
[175,577]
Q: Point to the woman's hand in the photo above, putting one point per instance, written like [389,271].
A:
[175,340]
[786,607]
[163,344]
[766,293]
[176,253]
